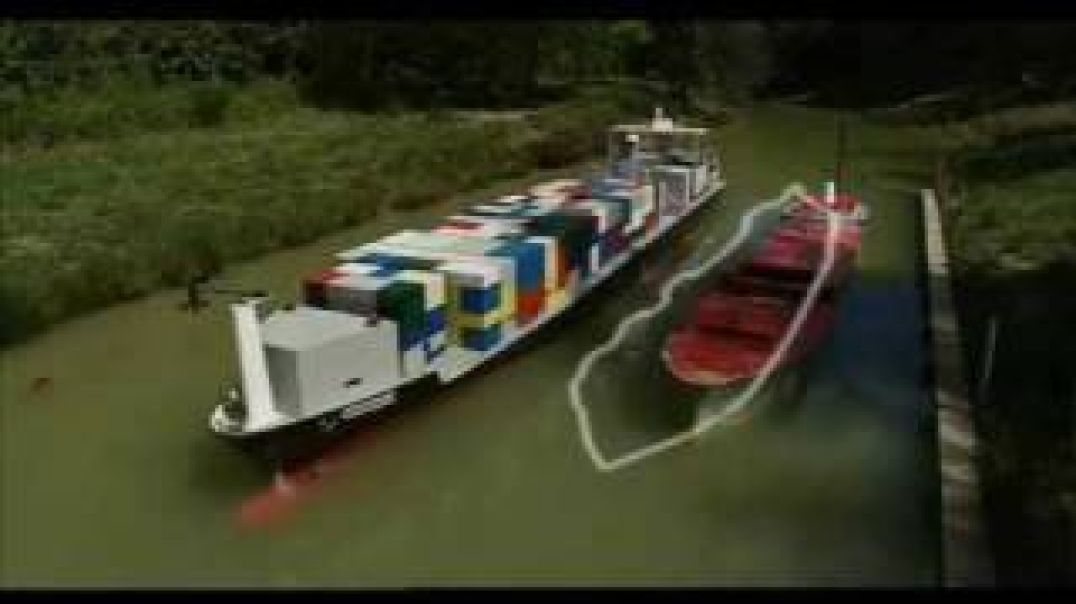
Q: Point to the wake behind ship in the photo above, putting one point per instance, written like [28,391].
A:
[416,306]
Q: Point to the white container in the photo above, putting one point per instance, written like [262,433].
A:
[449,230]
[357,268]
[493,209]
[413,362]
[492,227]
[510,200]
[549,244]
[438,242]
[472,274]
[320,360]
[437,340]
[556,188]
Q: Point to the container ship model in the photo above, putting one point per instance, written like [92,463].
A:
[434,305]
[734,329]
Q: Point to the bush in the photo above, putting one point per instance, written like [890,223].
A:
[208,103]
[113,219]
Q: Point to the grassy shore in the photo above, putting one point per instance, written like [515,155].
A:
[111,198]
[1007,182]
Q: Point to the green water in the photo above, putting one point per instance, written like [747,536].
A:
[111,477]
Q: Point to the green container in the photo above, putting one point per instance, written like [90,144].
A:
[405,303]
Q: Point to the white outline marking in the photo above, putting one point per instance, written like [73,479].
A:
[794,190]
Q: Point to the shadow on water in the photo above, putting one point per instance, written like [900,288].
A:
[1024,406]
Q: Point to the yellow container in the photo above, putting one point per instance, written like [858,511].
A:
[557,300]
[479,321]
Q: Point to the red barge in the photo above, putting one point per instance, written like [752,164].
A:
[732,331]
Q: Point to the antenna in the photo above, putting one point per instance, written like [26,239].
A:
[838,171]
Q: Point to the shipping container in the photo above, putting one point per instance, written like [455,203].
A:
[480,300]
[619,207]
[357,268]
[432,281]
[397,261]
[404,303]
[529,258]
[509,200]
[314,288]
[413,361]
[557,300]
[434,346]
[482,339]
[530,305]
[550,260]
[436,320]
[355,294]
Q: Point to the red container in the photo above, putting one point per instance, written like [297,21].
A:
[529,305]
[314,287]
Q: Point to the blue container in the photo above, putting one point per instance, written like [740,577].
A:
[396,262]
[529,259]
[435,320]
[385,271]
[480,301]
[482,340]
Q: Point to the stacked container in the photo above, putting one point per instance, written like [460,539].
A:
[315,287]
[562,189]
[355,293]
[434,338]
[475,315]
[404,302]
[497,265]
[491,227]
[613,240]
[575,234]
[529,259]
[603,219]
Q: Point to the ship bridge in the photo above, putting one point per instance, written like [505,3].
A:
[634,148]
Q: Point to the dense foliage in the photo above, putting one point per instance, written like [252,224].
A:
[376,65]
[1007,186]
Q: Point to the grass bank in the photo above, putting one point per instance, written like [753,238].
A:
[1007,181]
[111,198]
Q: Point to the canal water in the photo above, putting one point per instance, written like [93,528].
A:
[110,476]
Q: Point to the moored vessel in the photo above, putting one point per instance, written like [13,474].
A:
[732,332]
